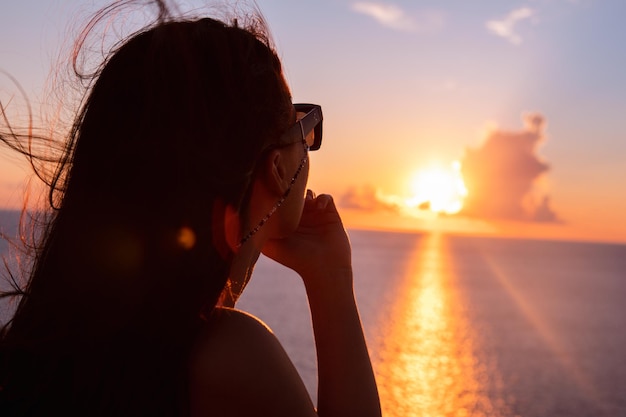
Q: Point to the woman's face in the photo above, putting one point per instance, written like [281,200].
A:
[297,162]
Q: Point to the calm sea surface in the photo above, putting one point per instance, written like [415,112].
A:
[467,326]
[463,326]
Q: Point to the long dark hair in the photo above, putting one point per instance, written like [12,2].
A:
[168,135]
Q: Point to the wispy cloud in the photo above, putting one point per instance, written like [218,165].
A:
[506,26]
[392,16]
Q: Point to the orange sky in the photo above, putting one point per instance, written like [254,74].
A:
[510,189]
[579,222]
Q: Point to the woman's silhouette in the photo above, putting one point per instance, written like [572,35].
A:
[186,159]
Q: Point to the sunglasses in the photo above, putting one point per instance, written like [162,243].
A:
[307,129]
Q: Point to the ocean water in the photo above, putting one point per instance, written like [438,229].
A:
[469,326]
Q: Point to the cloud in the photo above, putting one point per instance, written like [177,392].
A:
[394,17]
[366,198]
[505,27]
[501,176]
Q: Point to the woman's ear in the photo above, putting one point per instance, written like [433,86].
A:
[275,173]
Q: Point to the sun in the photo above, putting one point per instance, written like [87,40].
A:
[438,188]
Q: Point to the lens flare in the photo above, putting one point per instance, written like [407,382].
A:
[186,238]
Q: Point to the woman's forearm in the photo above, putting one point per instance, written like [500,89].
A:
[347,386]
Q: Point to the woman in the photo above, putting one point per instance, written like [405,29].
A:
[186,159]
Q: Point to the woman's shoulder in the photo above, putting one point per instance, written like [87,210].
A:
[239,367]
[230,333]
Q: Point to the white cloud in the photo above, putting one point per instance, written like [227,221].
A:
[394,17]
[386,14]
[505,27]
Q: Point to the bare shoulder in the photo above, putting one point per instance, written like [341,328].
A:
[239,367]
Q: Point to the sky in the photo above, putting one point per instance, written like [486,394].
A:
[488,117]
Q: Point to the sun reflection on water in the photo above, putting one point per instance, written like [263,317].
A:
[425,364]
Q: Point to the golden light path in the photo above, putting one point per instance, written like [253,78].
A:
[426,365]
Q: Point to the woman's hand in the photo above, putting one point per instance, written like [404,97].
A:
[319,247]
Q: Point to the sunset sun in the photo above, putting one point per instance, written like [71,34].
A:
[438,188]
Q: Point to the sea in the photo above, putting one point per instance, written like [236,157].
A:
[470,326]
